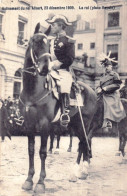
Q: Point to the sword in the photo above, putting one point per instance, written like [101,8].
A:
[80,113]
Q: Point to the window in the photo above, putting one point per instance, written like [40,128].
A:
[92,45]
[113,19]
[87,25]
[17,84]
[21,26]
[1,18]
[114,51]
[92,62]
[80,46]
[21,30]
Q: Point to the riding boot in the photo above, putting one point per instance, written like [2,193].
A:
[65,119]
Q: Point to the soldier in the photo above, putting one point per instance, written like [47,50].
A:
[62,50]
[123,90]
[4,121]
[109,86]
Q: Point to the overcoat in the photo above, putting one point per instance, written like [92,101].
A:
[3,121]
[113,108]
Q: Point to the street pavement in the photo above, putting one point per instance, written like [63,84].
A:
[107,172]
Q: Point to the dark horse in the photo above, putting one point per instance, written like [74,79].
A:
[121,126]
[39,106]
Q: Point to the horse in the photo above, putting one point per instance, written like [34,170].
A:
[59,131]
[38,106]
[121,126]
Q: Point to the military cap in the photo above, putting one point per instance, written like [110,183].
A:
[59,18]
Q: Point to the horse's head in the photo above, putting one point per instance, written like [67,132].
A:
[37,51]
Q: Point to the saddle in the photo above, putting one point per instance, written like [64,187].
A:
[53,82]
[75,99]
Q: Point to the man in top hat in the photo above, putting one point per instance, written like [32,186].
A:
[110,84]
[62,50]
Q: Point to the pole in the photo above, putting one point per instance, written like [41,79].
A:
[83,126]
[80,113]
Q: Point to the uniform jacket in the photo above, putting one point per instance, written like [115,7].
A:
[64,50]
[111,81]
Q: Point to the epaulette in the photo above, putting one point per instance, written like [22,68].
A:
[70,39]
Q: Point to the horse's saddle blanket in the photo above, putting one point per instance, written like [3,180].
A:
[52,82]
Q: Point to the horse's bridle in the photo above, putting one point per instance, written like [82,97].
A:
[35,60]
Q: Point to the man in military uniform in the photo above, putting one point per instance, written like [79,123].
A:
[62,50]
[110,85]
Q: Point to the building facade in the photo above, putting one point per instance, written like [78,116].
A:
[108,31]
[14,29]
[110,34]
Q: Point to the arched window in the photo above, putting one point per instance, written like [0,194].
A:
[17,84]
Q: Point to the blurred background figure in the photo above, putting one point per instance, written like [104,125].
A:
[123,90]
[3,122]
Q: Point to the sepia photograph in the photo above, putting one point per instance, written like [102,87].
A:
[63,97]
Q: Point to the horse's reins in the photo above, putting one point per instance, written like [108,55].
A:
[35,66]
[28,106]
[35,61]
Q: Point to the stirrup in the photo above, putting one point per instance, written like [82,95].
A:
[64,119]
[109,124]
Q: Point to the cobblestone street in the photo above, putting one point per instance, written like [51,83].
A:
[107,172]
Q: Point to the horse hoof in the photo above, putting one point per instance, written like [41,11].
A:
[73,178]
[27,185]
[50,152]
[83,175]
[69,150]
[40,188]
[56,152]
[123,153]
[118,154]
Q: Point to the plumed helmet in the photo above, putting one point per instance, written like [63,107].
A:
[59,18]
[106,60]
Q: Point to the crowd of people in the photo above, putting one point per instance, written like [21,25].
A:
[9,115]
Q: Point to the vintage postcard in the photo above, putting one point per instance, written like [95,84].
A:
[63,83]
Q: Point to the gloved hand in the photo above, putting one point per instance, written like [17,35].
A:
[55,65]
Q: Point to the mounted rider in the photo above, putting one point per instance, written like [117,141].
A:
[109,86]
[62,50]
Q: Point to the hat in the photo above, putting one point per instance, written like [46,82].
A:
[59,18]
[106,60]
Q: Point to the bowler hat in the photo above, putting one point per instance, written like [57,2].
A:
[59,18]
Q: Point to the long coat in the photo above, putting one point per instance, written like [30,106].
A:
[3,121]
[113,108]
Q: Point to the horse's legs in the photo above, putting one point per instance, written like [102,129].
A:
[122,144]
[29,182]
[52,135]
[40,187]
[79,153]
[58,141]
[70,145]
